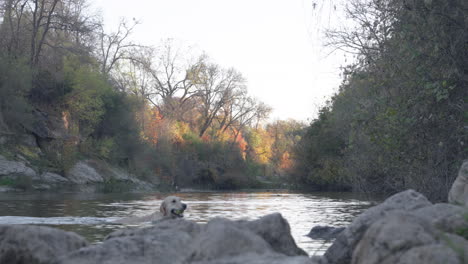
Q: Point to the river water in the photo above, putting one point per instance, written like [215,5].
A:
[90,214]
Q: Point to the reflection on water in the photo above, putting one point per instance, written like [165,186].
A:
[90,214]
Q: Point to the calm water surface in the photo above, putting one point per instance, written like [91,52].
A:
[89,214]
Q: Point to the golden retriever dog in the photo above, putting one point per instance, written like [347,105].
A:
[171,208]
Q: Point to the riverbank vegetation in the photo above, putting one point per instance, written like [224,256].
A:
[399,119]
[71,90]
[166,114]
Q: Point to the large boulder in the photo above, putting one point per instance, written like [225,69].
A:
[430,254]
[340,252]
[385,240]
[259,259]
[459,192]
[445,217]
[83,173]
[15,168]
[95,172]
[221,238]
[274,229]
[36,244]
[266,240]
[405,238]
[51,177]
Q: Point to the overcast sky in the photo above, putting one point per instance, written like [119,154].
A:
[273,43]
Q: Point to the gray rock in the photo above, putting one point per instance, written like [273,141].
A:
[457,243]
[389,238]
[48,126]
[431,254]
[175,225]
[28,140]
[166,248]
[53,178]
[274,229]
[7,189]
[15,168]
[41,187]
[340,251]
[223,239]
[458,194]
[83,173]
[325,232]
[260,259]
[36,244]
[96,172]
[446,217]
[182,241]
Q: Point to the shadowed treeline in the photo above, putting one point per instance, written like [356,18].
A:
[399,119]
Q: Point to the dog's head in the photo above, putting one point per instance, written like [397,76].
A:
[172,207]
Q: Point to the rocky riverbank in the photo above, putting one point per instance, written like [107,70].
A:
[405,228]
[84,175]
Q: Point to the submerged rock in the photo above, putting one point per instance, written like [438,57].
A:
[325,232]
[459,192]
[36,244]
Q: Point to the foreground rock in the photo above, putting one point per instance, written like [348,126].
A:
[36,244]
[459,192]
[404,238]
[267,240]
[325,232]
[406,228]
[341,250]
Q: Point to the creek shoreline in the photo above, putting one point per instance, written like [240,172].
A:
[424,230]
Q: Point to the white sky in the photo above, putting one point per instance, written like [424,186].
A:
[274,43]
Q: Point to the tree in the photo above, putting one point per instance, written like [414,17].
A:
[116,46]
[173,79]
[215,88]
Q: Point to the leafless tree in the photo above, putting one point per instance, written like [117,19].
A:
[369,27]
[116,46]
[246,111]
[215,88]
[44,23]
[173,79]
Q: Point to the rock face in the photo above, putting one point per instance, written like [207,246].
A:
[15,168]
[266,240]
[325,232]
[406,228]
[36,244]
[459,192]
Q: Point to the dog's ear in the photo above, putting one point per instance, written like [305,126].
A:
[162,208]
